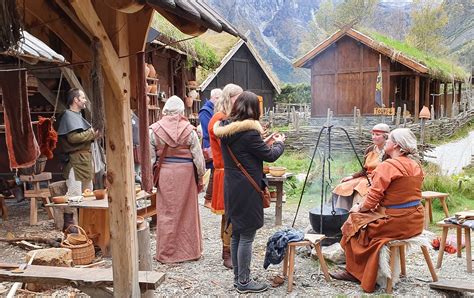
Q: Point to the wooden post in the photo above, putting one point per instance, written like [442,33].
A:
[293,117]
[417,99]
[328,120]
[270,118]
[441,111]
[445,100]
[359,122]
[399,111]
[427,92]
[432,112]
[144,253]
[355,115]
[147,178]
[422,131]
[404,114]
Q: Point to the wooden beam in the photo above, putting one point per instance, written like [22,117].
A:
[73,18]
[120,178]
[402,73]
[48,17]
[417,97]
[111,63]
[50,97]
[445,100]
[427,93]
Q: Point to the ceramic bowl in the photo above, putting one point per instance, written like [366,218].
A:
[277,171]
[99,194]
[60,200]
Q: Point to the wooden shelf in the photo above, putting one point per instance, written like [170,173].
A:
[152,94]
[152,79]
[153,108]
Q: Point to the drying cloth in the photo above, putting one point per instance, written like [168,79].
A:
[47,137]
[277,244]
[71,121]
[469,223]
[23,150]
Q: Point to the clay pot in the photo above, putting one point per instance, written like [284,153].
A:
[99,194]
[148,88]
[189,102]
[152,73]
[154,89]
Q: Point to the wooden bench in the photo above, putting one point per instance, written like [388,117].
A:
[312,240]
[37,193]
[92,281]
[453,285]
[467,240]
[428,197]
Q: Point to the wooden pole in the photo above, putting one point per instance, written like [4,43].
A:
[359,122]
[144,253]
[399,111]
[404,114]
[147,178]
[417,98]
[442,111]
[355,115]
[432,112]
[422,131]
[445,101]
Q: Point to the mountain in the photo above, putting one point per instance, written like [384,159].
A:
[276,27]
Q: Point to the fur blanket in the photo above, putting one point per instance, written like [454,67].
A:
[413,244]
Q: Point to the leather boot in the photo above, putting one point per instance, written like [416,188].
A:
[226,256]
[69,220]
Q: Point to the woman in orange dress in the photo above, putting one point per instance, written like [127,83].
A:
[222,109]
[391,211]
[353,189]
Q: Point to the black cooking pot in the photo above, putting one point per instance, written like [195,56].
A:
[331,223]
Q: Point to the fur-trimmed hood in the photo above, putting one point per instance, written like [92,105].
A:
[236,127]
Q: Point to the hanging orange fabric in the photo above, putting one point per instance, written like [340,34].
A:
[47,137]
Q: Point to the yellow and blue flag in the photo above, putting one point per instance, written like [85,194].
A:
[378,85]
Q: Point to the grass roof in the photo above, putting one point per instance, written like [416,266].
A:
[437,67]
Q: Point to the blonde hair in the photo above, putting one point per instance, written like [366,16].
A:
[224,104]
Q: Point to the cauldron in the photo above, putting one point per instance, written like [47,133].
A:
[331,223]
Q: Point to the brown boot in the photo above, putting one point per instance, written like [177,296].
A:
[226,256]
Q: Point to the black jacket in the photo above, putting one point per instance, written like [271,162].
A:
[243,204]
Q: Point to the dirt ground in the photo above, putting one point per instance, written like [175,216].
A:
[209,277]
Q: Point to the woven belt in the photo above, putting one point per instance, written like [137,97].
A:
[404,205]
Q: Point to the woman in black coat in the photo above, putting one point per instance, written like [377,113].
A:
[243,204]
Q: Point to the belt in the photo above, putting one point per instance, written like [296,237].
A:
[404,205]
[81,151]
[177,160]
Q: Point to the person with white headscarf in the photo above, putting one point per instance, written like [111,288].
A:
[353,189]
[392,210]
[178,168]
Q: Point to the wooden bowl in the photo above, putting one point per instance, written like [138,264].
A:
[277,171]
[60,200]
[99,194]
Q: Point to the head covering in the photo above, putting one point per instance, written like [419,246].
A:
[381,127]
[405,139]
[174,105]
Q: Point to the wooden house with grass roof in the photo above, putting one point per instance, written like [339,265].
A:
[345,67]
[239,64]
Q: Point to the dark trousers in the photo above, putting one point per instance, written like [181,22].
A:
[241,251]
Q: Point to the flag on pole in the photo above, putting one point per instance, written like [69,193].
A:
[378,85]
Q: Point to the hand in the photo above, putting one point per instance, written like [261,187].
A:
[200,185]
[345,179]
[97,133]
[269,140]
[279,137]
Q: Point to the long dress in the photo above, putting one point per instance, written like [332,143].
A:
[395,181]
[355,190]
[178,227]
[217,203]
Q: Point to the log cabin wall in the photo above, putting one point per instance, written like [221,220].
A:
[344,76]
[244,70]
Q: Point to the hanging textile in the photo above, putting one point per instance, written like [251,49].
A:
[23,150]
[47,137]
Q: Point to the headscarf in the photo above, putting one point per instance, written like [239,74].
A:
[381,128]
[406,140]
[174,105]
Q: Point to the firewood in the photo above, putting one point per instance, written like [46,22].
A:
[51,242]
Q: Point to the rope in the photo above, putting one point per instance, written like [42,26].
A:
[57,97]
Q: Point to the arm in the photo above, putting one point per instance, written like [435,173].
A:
[196,152]
[261,150]
[81,137]
[204,118]
[364,169]
[152,147]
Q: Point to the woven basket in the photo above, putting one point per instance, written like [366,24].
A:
[36,169]
[82,254]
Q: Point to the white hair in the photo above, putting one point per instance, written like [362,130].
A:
[216,93]
[174,105]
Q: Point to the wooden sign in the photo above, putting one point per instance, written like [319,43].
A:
[384,111]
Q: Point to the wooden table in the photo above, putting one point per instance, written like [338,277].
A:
[37,193]
[278,183]
[467,239]
[428,197]
[94,218]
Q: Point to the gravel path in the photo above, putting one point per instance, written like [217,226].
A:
[452,157]
[209,277]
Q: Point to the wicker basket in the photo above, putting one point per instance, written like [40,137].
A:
[82,254]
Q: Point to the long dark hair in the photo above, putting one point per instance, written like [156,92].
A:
[245,107]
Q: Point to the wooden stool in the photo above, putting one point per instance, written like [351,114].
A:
[314,240]
[401,245]
[37,193]
[467,240]
[428,196]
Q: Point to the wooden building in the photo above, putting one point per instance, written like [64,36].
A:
[117,31]
[344,70]
[242,65]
